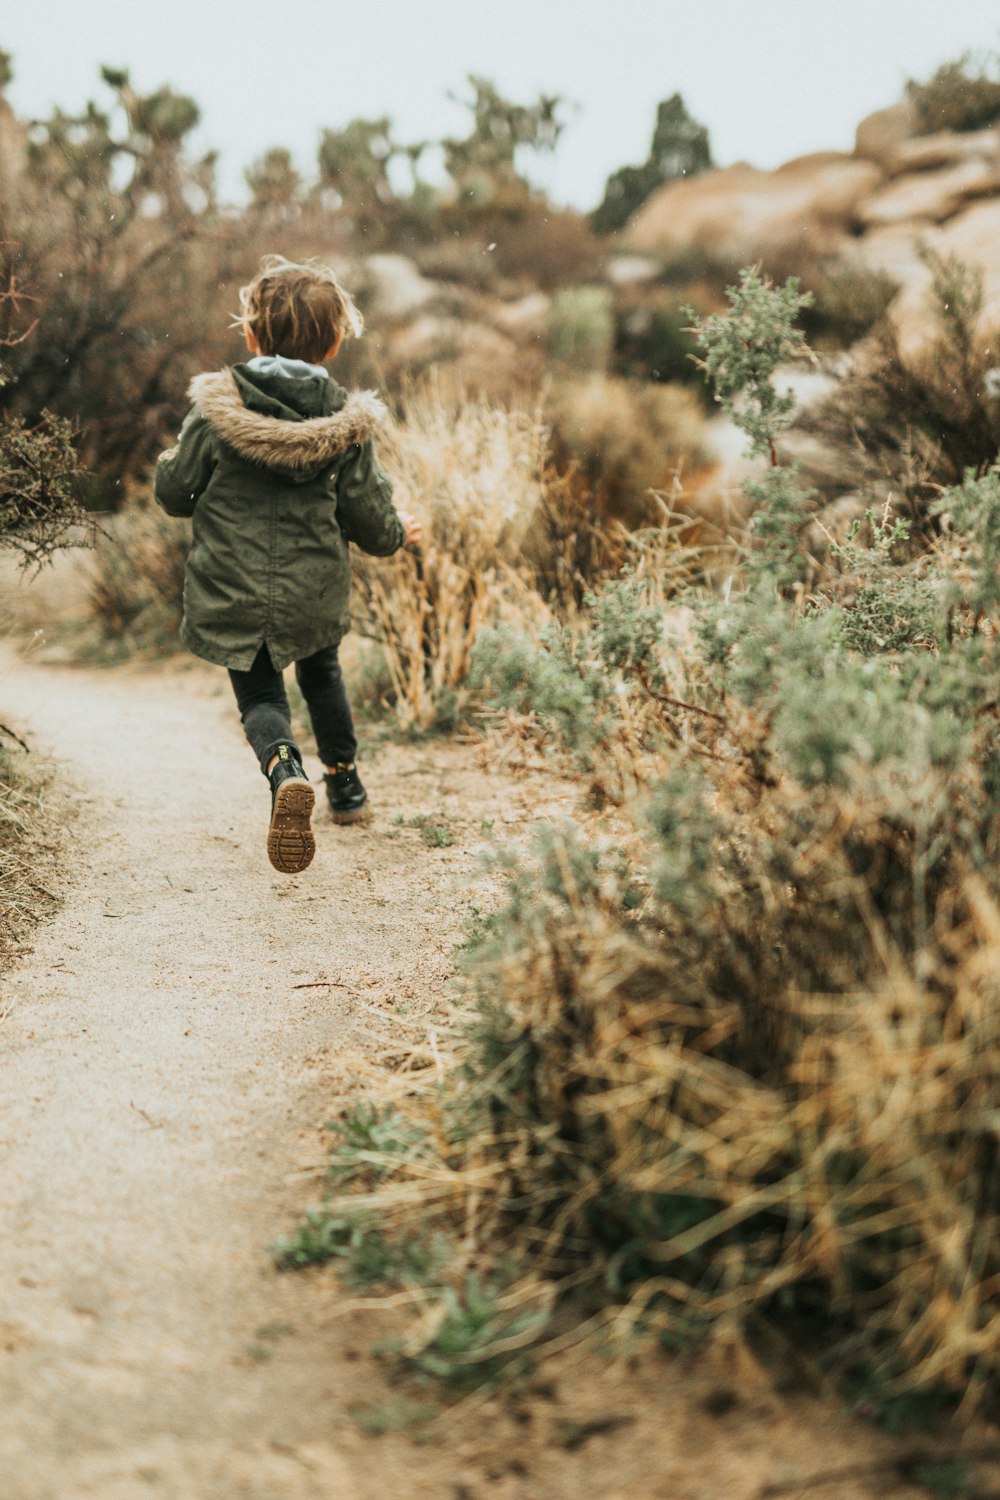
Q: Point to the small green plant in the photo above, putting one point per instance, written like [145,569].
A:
[582,327]
[972,512]
[437,835]
[372,1140]
[480,1337]
[395,1415]
[434,832]
[891,608]
[362,1249]
[742,350]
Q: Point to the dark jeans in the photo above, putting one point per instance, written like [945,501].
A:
[263,705]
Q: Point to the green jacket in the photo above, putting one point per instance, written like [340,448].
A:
[278,474]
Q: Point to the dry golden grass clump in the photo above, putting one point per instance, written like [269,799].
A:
[625,440]
[23,894]
[475,473]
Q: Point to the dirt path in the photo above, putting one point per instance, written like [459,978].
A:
[162,1063]
[167,1053]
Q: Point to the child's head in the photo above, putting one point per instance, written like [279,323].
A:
[300,311]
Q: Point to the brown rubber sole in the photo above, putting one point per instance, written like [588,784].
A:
[290,841]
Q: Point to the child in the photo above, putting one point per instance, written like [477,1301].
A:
[276,467]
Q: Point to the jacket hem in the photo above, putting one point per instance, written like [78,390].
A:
[243,660]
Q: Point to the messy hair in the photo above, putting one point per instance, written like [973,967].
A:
[299,310]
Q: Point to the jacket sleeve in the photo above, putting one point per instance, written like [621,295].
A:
[183,472]
[365,510]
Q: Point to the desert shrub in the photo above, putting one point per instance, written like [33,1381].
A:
[918,421]
[40,473]
[136,586]
[582,327]
[24,892]
[527,244]
[735,1054]
[846,305]
[624,440]
[98,220]
[962,95]
[653,342]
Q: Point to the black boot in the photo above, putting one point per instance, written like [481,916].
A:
[290,841]
[347,797]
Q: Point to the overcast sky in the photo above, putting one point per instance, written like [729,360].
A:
[771,79]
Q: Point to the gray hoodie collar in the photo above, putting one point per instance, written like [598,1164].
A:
[295,369]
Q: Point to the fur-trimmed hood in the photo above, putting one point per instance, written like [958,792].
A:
[275,442]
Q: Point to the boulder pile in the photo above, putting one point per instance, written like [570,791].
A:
[876,209]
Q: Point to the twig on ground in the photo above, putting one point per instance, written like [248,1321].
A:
[16,737]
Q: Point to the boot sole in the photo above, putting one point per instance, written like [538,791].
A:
[290,841]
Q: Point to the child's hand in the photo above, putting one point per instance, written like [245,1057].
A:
[412,528]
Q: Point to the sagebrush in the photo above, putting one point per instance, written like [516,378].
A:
[733,1049]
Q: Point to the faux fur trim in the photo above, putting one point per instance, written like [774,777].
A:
[273,441]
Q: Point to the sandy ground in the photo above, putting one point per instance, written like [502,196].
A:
[168,1053]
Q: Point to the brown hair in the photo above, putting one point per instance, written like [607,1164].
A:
[297,310]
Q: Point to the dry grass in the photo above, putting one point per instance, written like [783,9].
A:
[509,536]
[669,1122]
[136,581]
[24,898]
[626,441]
[475,473]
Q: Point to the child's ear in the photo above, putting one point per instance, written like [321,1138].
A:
[251,339]
[334,348]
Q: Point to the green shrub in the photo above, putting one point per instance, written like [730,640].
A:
[582,327]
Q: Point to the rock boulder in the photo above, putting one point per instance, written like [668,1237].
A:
[739,212]
[973,237]
[931,195]
[945,149]
[880,135]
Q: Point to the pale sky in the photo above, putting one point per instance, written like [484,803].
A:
[772,79]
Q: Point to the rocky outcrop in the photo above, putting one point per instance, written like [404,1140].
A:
[972,237]
[947,148]
[396,291]
[880,209]
[739,212]
[932,196]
